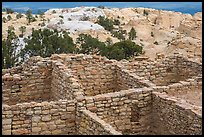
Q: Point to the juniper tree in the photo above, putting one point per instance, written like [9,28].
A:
[9,46]
[132,34]
[22,29]
[29,16]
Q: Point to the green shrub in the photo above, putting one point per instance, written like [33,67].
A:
[101,7]
[9,17]
[156,43]
[9,11]
[61,16]
[90,45]
[85,18]
[145,13]
[116,22]
[19,15]
[152,34]
[132,34]
[46,42]
[53,12]
[4,20]
[105,22]
[119,34]
[123,50]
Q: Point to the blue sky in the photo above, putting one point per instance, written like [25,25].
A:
[185,6]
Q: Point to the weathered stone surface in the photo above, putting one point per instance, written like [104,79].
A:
[6,122]
[91,95]
[6,132]
[36,118]
[46,118]
[20,131]
[36,129]
[56,132]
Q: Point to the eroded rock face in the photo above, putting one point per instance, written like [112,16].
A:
[191,28]
[158,26]
[198,16]
[189,46]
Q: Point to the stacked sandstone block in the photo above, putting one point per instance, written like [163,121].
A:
[91,124]
[100,96]
[173,116]
[31,83]
[171,69]
[118,109]
[40,118]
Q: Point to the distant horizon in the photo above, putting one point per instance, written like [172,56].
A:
[183,7]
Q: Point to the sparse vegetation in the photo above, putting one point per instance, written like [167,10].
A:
[22,29]
[101,7]
[89,45]
[42,24]
[41,13]
[61,21]
[33,19]
[168,43]
[152,34]
[3,9]
[156,43]
[85,18]
[53,12]
[120,50]
[19,15]
[9,11]
[9,46]
[61,16]
[145,13]
[132,34]
[108,41]
[29,16]
[123,50]
[105,22]
[46,42]
[116,22]
[4,20]
[9,17]
[119,34]
[123,24]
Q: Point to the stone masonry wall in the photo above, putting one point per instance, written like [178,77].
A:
[101,96]
[128,110]
[91,124]
[125,80]
[154,71]
[188,68]
[172,116]
[168,70]
[184,90]
[39,118]
[63,85]
[97,75]
[94,73]
[32,84]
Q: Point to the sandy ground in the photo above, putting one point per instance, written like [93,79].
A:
[193,97]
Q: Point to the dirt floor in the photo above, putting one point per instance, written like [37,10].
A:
[193,97]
